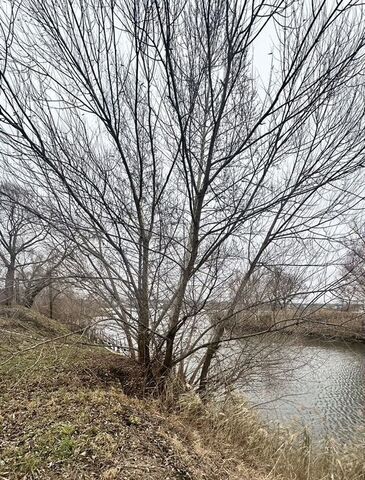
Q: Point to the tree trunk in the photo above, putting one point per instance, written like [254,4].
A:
[31,293]
[10,284]
[143,338]
[143,306]
[50,298]
[209,355]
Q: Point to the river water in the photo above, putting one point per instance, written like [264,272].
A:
[313,383]
[317,384]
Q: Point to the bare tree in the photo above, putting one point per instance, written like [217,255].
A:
[283,287]
[270,286]
[44,271]
[167,159]
[351,291]
[30,256]
[20,234]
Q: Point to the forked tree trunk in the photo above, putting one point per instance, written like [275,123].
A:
[31,293]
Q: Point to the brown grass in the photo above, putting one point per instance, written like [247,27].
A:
[323,322]
[70,410]
[280,452]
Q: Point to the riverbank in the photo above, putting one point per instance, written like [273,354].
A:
[69,409]
[323,323]
[72,410]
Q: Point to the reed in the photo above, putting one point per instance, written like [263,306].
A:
[281,453]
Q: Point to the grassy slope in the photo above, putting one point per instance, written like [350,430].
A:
[63,414]
[69,410]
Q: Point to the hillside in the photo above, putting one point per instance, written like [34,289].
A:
[70,410]
[73,410]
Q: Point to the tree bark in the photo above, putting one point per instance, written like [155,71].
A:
[10,284]
[143,305]
[209,355]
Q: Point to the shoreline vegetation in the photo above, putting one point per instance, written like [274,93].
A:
[73,410]
[324,323]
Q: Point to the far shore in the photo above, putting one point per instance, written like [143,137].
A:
[326,324]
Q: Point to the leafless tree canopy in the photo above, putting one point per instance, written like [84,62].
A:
[29,255]
[162,153]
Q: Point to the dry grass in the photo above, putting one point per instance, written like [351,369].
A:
[69,411]
[281,453]
[324,322]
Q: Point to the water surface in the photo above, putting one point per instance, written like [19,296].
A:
[317,384]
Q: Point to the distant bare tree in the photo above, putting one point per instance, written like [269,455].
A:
[169,162]
[20,234]
[43,272]
[351,291]
[282,287]
[269,287]
[29,256]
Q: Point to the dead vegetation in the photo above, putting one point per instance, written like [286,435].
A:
[69,409]
[281,452]
[318,322]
